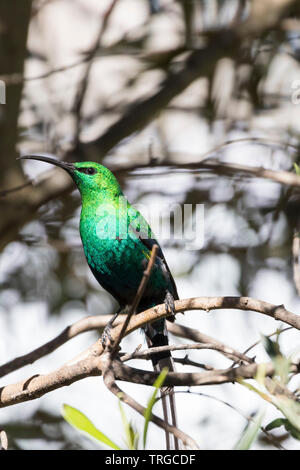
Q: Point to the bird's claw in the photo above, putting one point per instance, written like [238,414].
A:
[106,338]
[170,306]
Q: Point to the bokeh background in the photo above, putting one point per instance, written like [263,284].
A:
[72,68]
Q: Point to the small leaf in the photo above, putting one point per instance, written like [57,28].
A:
[271,347]
[290,408]
[281,363]
[80,422]
[276,423]
[249,434]
[297,169]
[132,436]
[288,426]
[148,412]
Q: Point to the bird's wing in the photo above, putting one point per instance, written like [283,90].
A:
[142,230]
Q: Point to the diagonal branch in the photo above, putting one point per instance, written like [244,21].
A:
[278,312]
[137,299]
[85,324]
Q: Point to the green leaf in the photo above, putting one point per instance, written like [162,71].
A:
[282,368]
[297,169]
[288,426]
[290,408]
[250,433]
[271,347]
[276,423]
[281,363]
[148,412]
[80,422]
[132,436]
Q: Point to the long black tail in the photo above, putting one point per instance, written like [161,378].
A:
[156,334]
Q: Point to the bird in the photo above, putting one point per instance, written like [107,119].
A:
[117,243]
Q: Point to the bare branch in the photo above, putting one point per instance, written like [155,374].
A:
[82,88]
[214,377]
[148,353]
[197,336]
[109,380]
[186,361]
[200,63]
[85,324]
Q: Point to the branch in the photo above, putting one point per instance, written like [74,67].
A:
[184,379]
[185,361]
[278,312]
[85,324]
[83,85]
[109,380]
[200,63]
[197,336]
[223,168]
[224,43]
[92,365]
[89,362]
[137,298]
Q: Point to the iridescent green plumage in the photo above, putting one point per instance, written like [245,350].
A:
[117,240]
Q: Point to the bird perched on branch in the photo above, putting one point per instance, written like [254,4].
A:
[117,243]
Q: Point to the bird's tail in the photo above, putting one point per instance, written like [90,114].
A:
[156,334]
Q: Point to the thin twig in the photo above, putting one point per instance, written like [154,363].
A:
[82,88]
[148,353]
[296,267]
[109,380]
[137,299]
[195,335]
[249,418]
[181,379]
[186,361]
[282,177]
[259,341]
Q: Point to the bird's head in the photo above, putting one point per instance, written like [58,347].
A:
[89,177]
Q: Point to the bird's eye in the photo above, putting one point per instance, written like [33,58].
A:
[88,171]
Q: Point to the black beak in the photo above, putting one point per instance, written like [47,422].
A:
[69,167]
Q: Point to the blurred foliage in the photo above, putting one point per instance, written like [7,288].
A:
[42,427]
[249,434]
[80,422]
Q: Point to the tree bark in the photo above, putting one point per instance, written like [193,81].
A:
[14,22]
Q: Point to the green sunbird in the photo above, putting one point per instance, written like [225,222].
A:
[117,243]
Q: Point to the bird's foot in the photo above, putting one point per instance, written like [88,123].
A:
[106,338]
[170,306]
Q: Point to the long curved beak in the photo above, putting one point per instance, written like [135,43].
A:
[69,167]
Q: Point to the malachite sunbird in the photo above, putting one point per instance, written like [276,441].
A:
[117,243]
